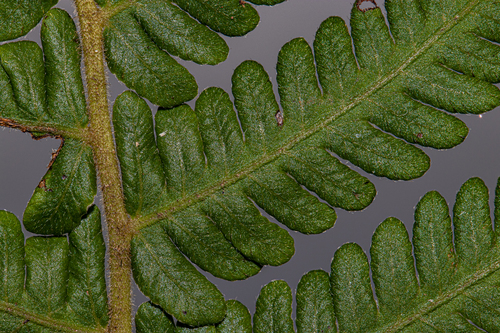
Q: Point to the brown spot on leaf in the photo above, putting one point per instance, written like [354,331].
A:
[420,135]
[41,184]
[242,3]
[54,155]
[279,118]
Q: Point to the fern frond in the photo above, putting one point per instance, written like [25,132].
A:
[372,103]
[65,289]
[454,286]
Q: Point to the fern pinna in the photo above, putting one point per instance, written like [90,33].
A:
[190,182]
[457,288]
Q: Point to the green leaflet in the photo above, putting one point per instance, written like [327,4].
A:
[237,319]
[392,267]
[143,179]
[457,291]
[254,236]
[342,121]
[376,97]
[46,260]
[230,17]
[169,280]
[12,260]
[64,194]
[355,307]
[18,17]
[151,318]
[137,34]
[197,237]
[87,295]
[136,60]
[449,283]
[176,32]
[273,311]
[43,91]
[315,311]
[65,286]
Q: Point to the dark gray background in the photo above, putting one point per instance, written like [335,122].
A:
[23,161]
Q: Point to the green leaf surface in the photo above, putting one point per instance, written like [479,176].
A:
[65,192]
[238,319]
[44,89]
[46,273]
[230,17]
[87,296]
[333,181]
[18,17]
[174,31]
[143,179]
[365,96]
[169,280]
[12,258]
[474,237]
[199,239]
[435,259]
[251,234]
[273,312]
[457,290]
[354,307]
[65,288]
[348,119]
[392,267]
[141,35]
[152,319]
[282,197]
[61,48]
[315,311]
[137,61]
[256,104]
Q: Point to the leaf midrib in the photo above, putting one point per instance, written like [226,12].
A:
[181,204]
[444,298]
[51,129]
[46,321]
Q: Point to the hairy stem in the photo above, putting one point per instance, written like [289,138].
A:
[119,230]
